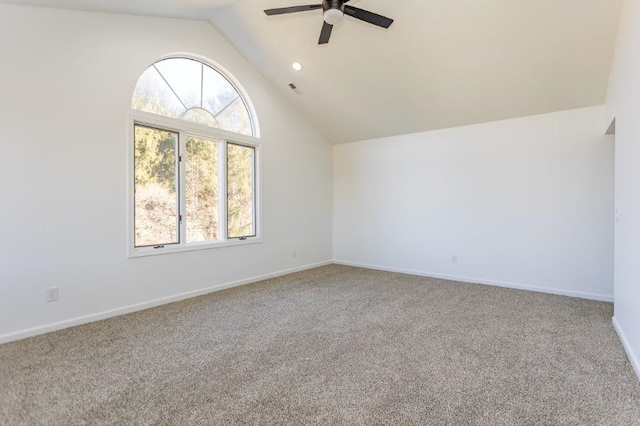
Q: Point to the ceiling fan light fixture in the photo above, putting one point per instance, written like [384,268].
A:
[333,16]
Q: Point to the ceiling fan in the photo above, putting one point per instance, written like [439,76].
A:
[334,11]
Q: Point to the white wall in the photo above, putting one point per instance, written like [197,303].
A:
[623,104]
[525,203]
[66,82]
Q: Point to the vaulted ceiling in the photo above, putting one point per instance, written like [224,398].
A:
[190,9]
[441,64]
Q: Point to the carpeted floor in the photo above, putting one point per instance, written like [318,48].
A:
[333,345]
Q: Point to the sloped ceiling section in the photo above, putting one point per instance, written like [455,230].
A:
[188,9]
[441,64]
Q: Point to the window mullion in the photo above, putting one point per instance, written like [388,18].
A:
[182,173]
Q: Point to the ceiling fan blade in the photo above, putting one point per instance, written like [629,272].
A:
[292,9]
[370,17]
[325,34]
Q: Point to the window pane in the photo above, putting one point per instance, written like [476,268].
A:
[152,94]
[217,91]
[156,201]
[200,116]
[235,118]
[240,191]
[185,78]
[201,188]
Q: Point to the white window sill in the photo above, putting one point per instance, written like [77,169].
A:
[148,251]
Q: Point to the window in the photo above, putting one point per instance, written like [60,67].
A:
[189,90]
[240,221]
[195,160]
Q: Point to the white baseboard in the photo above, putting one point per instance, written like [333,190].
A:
[578,294]
[42,329]
[627,347]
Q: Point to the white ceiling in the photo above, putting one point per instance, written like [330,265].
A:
[191,9]
[441,64]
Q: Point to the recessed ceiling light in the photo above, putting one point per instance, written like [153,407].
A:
[297,66]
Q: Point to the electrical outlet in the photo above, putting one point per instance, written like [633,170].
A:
[454,259]
[294,254]
[52,294]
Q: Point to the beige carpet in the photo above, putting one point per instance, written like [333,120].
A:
[333,345]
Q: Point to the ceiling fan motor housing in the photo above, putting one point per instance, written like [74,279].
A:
[332,4]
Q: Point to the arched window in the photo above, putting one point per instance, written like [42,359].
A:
[195,160]
[192,91]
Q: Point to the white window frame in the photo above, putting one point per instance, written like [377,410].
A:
[185,129]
